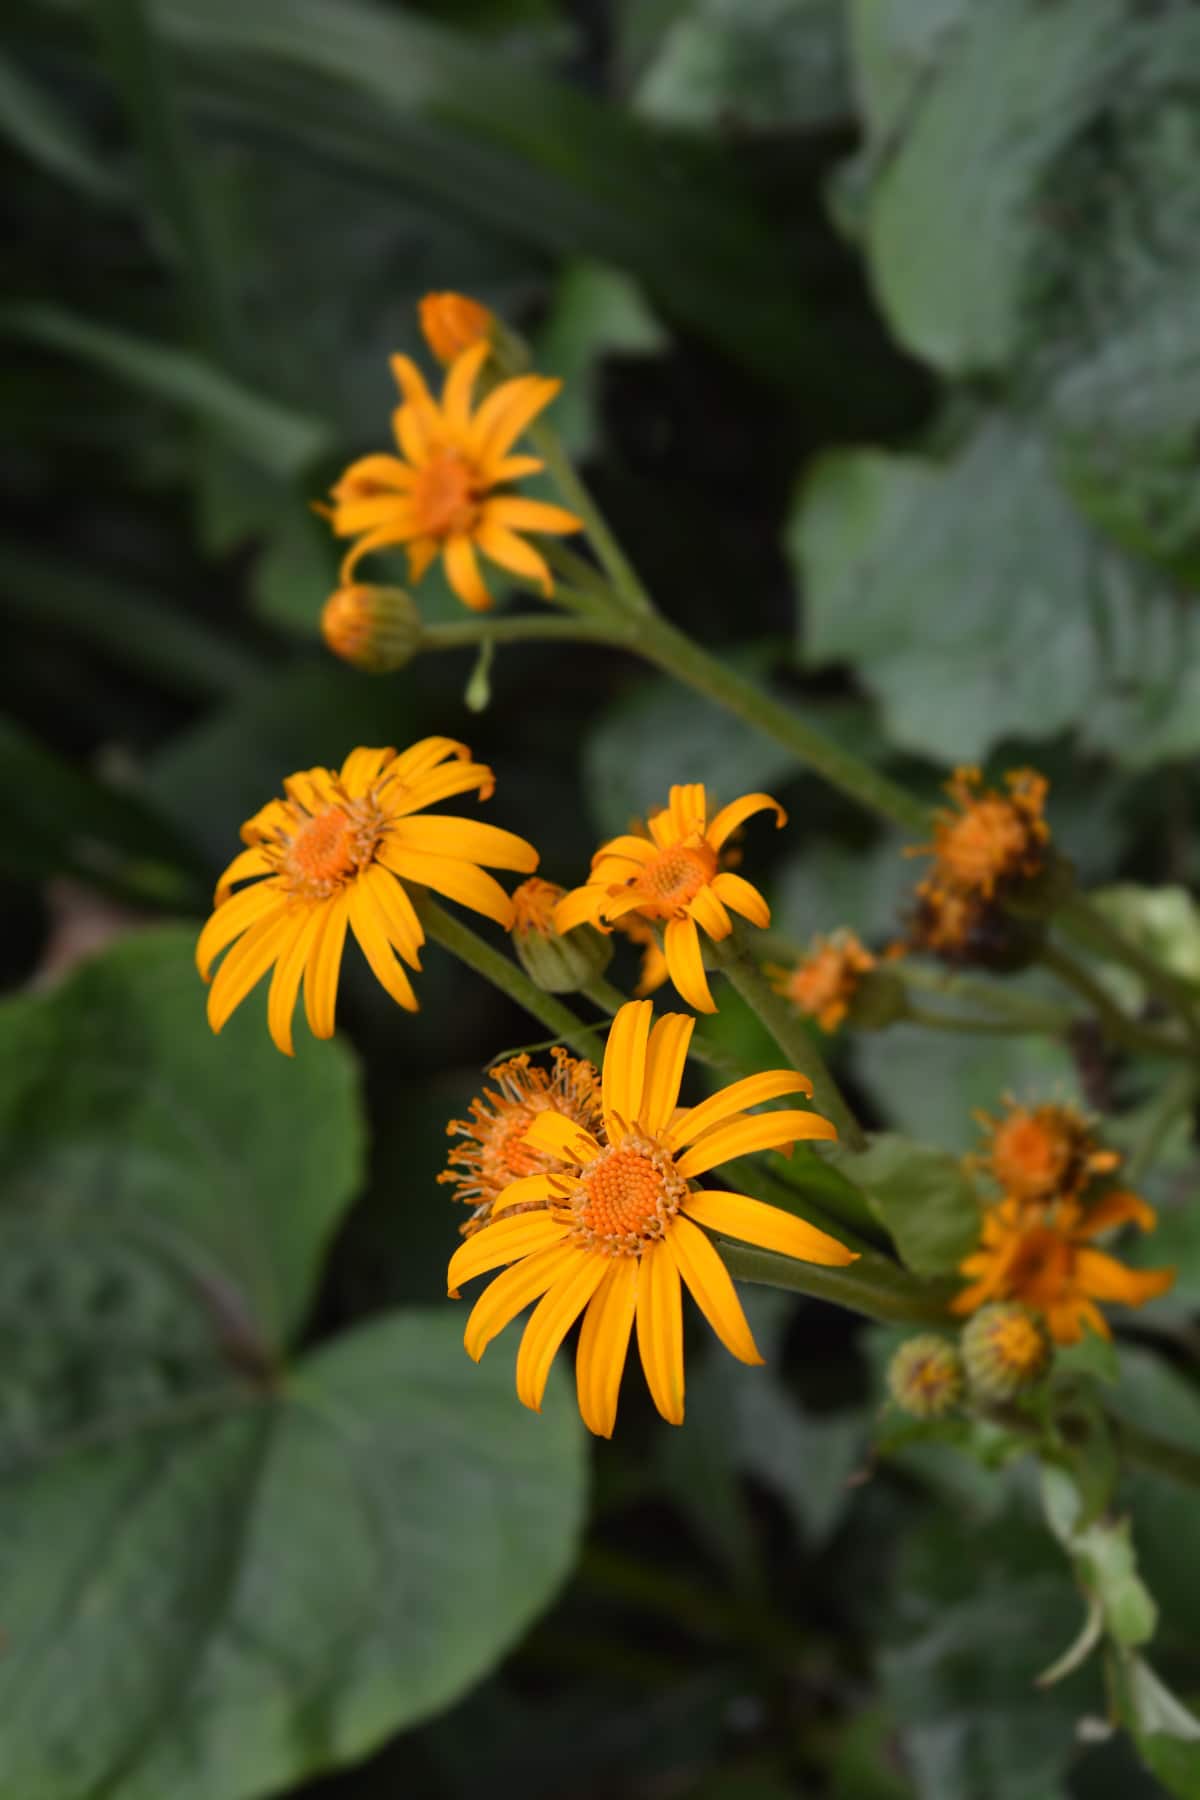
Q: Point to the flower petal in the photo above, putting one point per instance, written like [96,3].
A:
[1118,1207]
[625,1067]
[462,572]
[368,926]
[511,1293]
[681,947]
[464,839]
[687,804]
[525,1189]
[233,916]
[733,815]
[459,386]
[709,914]
[245,865]
[604,1345]
[504,415]
[520,514]
[557,1135]
[632,849]
[511,552]
[666,1058]
[400,920]
[459,881]
[742,1137]
[403,798]
[769,1227]
[582,906]
[711,1288]
[506,1241]
[660,1331]
[324,965]
[384,539]
[1105,1278]
[285,983]
[249,961]
[741,897]
[362,767]
[552,1318]
[772,1084]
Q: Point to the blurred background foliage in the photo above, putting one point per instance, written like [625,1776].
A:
[878,326]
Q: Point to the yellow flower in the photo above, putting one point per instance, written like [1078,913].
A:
[452,323]
[618,1223]
[1040,1153]
[437,495]
[495,1153]
[336,853]
[1042,1256]
[674,876]
[824,982]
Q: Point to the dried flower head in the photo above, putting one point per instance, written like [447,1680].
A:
[1040,1153]
[823,983]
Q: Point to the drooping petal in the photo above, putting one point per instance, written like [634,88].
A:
[666,1058]
[234,916]
[371,475]
[1105,1278]
[552,1318]
[625,1067]
[401,923]
[245,865]
[520,514]
[368,926]
[468,839]
[514,468]
[738,1097]
[582,906]
[735,814]
[462,572]
[362,767]
[559,1136]
[741,1137]
[742,897]
[248,962]
[523,1191]
[285,984]
[324,965]
[425,755]
[660,1331]
[411,382]
[414,793]
[511,552]
[709,914]
[710,1286]
[769,1227]
[505,1241]
[456,880]
[604,1345]
[383,512]
[386,538]
[681,947]
[511,1293]
[1118,1207]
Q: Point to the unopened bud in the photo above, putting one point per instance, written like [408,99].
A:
[925,1377]
[452,323]
[1005,1350]
[559,962]
[375,628]
[877,1002]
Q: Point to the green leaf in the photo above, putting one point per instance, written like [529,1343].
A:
[1167,1732]
[224,1572]
[283,442]
[977,605]
[49,137]
[922,1196]
[748,65]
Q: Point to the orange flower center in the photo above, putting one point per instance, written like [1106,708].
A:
[445,499]
[989,839]
[627,1196]
[672,878]
[1029,1157]
[1016,1343]
[1041,1268]
[328,849]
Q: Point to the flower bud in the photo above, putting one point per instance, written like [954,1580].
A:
[452,323]
[560,963]
[375,628]
[925,1377]
[1005,1350]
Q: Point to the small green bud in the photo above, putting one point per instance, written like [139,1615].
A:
[925,1377]
[559,962]
[1006,1350]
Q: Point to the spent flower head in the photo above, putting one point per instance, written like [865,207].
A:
[823,983]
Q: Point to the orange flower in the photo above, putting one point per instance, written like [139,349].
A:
[437,496]
[1042,1153]
[1042,1256]
[452,323]
[337,853]
[674,876]
[619,1223]
[988,839]
[824,983]
[496,1153]
[374,628]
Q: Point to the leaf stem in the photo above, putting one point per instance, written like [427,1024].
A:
[1116,1023]
[626,583]
[791,1036]
[508,976]
[1088,923]
[942,1021]
[1025,1009]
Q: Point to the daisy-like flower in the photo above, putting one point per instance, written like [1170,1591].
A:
[336,852]
[1040,1153]
[674,877]
[618,1222]
[823,983]
[446,493]
[494,1153]
[1043,1257]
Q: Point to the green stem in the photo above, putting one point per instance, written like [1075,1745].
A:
[620,571]
[1116,1023]
[662,644]
[791,1036]
[1150,1452]
[1036,1015]
[508,976]
[1088,923]
[464,634]
[1175,1097]
[873,1285]
[603,994]
[940,1021]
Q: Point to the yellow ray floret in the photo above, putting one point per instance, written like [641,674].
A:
[674,877]
[335,855]
[1042,1256]
[447,492]
[611,1226]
